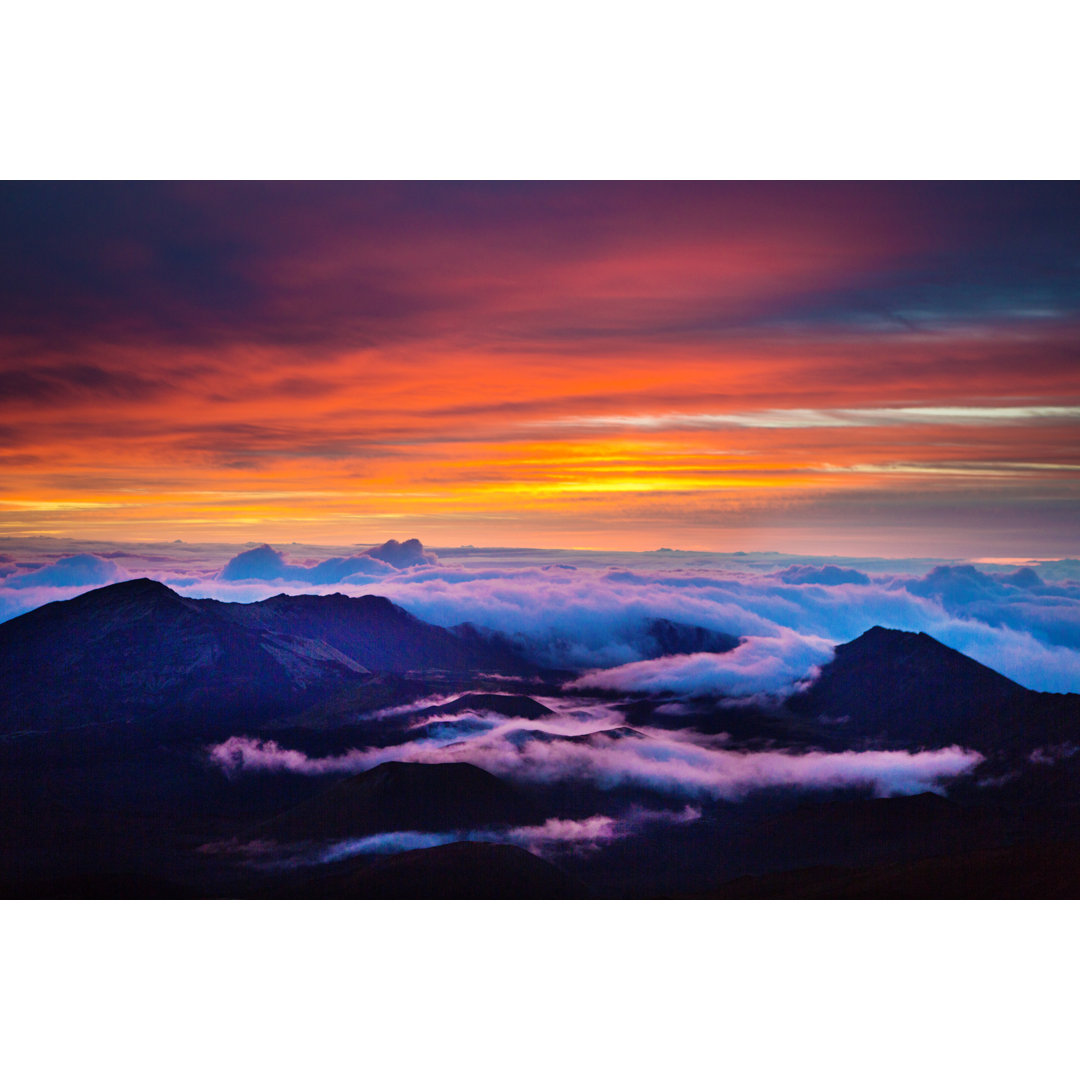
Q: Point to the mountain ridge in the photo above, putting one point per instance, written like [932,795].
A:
[398,796]
[137,650]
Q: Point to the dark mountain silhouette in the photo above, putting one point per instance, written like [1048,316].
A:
[854,831]
[399,796]
[131,886]
[591,738]
[138,651]
[656,638]
[516,705]
[370,630]
[1042,871]
[467,870]
[663,637]
[899,688]
[873,815]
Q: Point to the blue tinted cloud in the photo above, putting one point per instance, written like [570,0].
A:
[73,570]
[264,563]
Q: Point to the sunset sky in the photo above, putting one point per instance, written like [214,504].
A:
[852,368]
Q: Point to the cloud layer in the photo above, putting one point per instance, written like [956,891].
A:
[595,612]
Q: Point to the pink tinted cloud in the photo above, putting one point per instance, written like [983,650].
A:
[590,834]
[669,765]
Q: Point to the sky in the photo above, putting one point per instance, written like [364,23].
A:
[861,369]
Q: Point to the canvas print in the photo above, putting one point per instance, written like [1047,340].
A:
[540,540]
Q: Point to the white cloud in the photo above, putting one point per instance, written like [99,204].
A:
[760,665]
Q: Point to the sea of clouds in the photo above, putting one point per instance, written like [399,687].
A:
[590,611]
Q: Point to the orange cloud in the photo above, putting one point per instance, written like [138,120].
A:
[617,365]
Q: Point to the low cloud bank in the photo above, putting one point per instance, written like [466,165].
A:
[1020,625]
[1021,601]
[822,575]
[66,577]
[669,764]
[759,665]
[65,573]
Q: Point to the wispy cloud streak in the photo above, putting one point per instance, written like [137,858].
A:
[834,418]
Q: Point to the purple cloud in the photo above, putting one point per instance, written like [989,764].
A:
[72,571]
[589,834]
[672,764]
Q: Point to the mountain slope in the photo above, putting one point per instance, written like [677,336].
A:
[370,630]
[906,689]
[399,796]
[665,637]
[137,651]
[467,870]
[1033,871]
[510,705]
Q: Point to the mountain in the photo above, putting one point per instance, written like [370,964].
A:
[370,630]
[663,637]
[855,831]
[1033,871]
[138,651]
[653,639]
[894,687]
[399,796]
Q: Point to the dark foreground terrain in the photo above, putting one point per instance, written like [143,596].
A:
[326,747]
